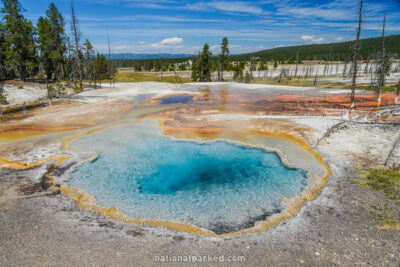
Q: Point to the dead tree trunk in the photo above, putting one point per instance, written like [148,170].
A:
[110,66]
[219,70]
[161,69]
[316,78]
[337,66]
[76,37]
[355,59]
[382,66]
[176,74]
[396,98]
[297,65]
[329,132]
[396,144]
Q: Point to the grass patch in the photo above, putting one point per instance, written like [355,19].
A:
[301,82]
[386,88]
[131,76]
[3,100]
[298,83]
[381,179]
[384,220]
[387,181]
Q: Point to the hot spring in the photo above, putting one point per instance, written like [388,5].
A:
[217,185]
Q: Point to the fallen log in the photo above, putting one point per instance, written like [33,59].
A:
[396,144]
[329,132]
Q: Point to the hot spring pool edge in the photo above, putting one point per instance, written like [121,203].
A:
[87,201]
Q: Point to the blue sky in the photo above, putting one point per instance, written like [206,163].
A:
[171,26]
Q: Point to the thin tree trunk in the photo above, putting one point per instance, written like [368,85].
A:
[396,98]
[176,75]
[383,65]
[75,32]
[356,50]
[110,76]
[219,70]
[48,92]
[222,71]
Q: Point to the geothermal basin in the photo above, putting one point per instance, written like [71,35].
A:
[214,160]
[216,185]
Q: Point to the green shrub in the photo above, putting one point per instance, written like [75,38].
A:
[60,88]
[247,78]
[3,100]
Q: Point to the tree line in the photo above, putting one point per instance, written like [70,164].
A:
[341,51]
[45,51]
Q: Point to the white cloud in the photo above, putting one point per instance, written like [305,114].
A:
[226,6]
[172,41]
[312,39]
[339,38]
[122,47]
[236,7]
[307,37]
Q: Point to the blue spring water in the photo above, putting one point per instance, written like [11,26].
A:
[176,99]
[216,185]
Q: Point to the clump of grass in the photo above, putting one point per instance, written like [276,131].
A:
[381,179]
[60,88]
[21,87]
[384,220]
[3,100]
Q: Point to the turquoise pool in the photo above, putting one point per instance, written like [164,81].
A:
[217,185]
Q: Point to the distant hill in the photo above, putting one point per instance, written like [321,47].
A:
[370,48]
[332,51]
[148,56]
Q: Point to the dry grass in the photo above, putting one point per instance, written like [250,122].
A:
[131,76]
[299,83]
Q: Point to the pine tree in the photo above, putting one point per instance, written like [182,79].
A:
[20,54]
[58,46]
[3,68]
[223,58]
[101,67]
[238,72]
[89,55]
[247,78]
[241,78]
[44,41]
[195,69]
[204,65]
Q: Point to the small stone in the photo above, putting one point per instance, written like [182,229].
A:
[356,239]
[301,261]
[317,253]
